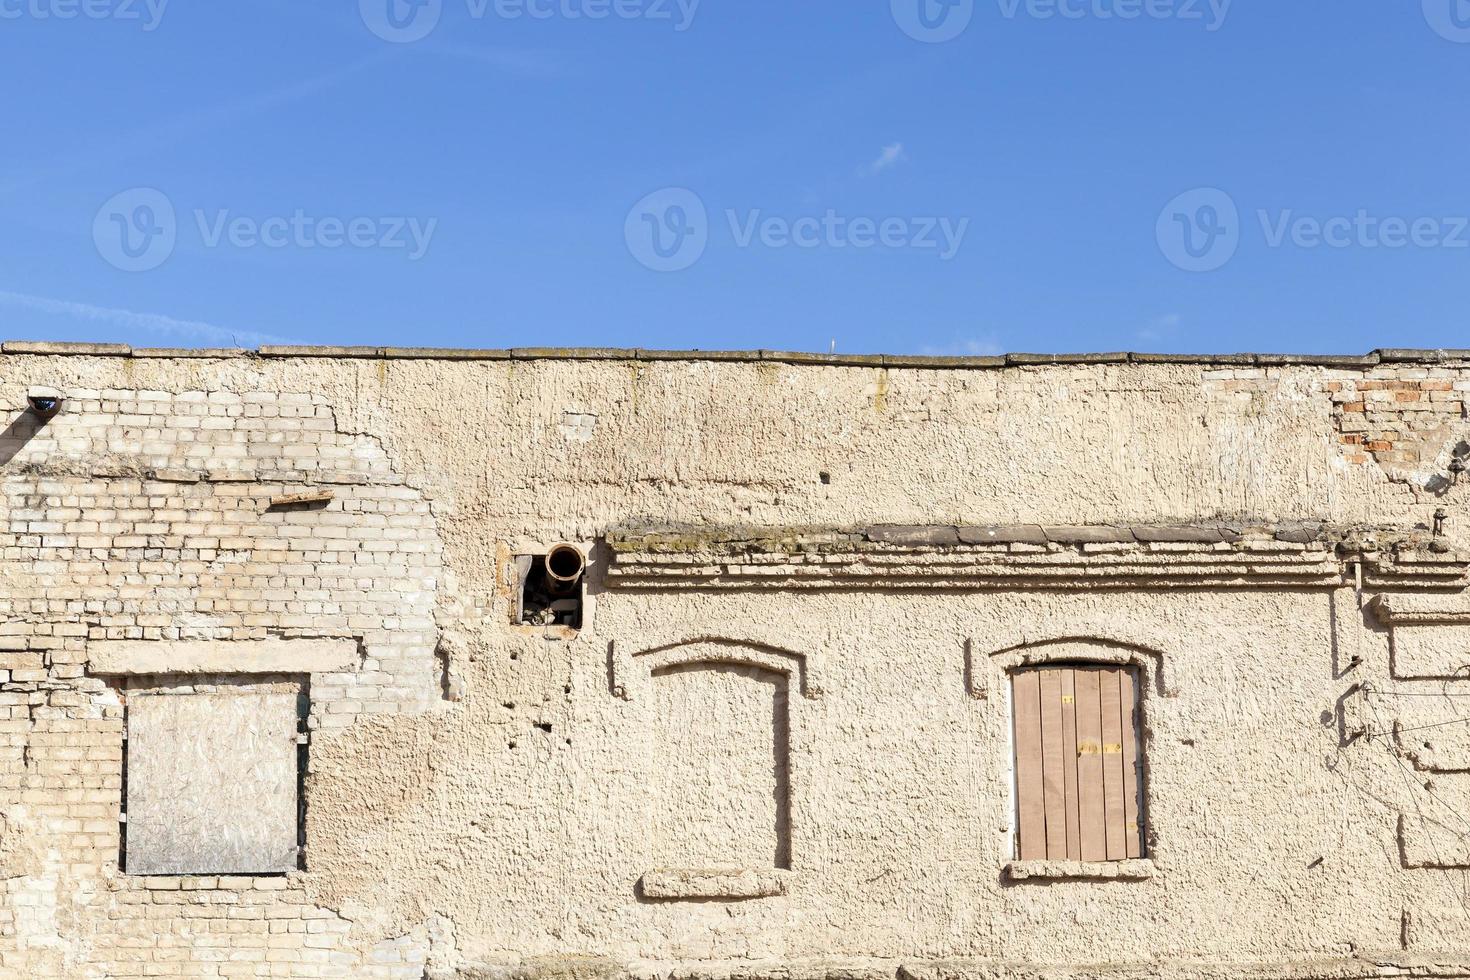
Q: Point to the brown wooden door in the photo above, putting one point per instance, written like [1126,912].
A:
[1078,765]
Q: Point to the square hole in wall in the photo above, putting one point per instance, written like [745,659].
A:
[550,587]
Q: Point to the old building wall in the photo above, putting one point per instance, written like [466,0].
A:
[820,701]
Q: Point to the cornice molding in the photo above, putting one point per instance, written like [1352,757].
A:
[1032,557]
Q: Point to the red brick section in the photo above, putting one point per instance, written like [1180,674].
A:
[1403,423]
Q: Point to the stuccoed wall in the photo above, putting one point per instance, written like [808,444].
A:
[486,800]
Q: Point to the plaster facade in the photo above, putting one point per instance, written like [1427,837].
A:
[780,744]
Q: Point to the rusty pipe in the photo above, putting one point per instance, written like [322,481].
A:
[565,565]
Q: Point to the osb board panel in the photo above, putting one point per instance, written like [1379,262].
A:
[212,783]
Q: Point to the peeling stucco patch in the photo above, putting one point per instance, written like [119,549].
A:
[1416,428]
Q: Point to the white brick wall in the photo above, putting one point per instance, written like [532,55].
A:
[147,515]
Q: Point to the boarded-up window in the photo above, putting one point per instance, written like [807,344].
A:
[1078,768]
[212,783]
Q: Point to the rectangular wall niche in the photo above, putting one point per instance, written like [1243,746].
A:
[720,796]
[1078,768]
[1431,651]
[213,780]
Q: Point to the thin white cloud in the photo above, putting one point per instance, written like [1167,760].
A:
[151,323]
[984,346]
[891,156]
[1161,327]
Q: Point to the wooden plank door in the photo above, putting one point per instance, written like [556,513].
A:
[1078,769]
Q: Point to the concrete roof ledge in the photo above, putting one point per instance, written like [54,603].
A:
[1395,354]
[65,347]
[798,357]
[1317,360]
[942,361]
[166,353]
[644,354]
[895,361]
[288,350]
[1243,360]
[1025,359]
[442,354]
[572,354]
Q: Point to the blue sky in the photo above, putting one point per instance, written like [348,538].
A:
[1054,176]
